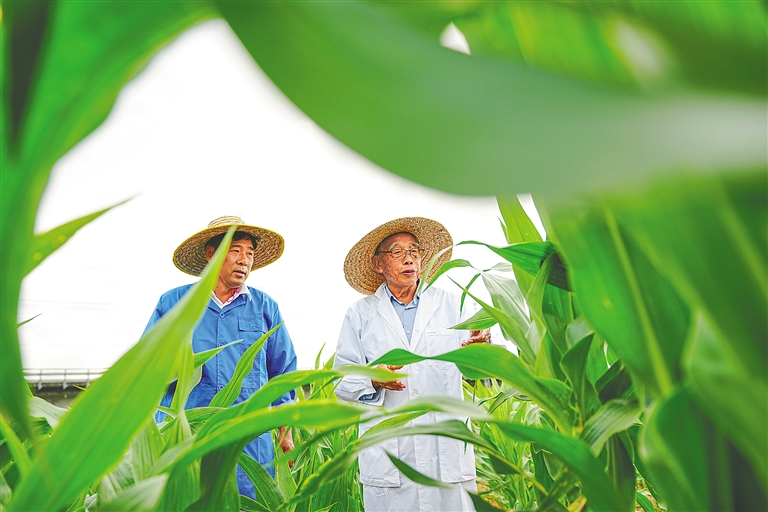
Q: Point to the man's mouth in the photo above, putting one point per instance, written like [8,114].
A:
[239,272]
[409,272]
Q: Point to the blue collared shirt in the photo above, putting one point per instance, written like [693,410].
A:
[406,313]
[247,317]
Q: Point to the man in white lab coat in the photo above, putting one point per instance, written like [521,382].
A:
[386,265]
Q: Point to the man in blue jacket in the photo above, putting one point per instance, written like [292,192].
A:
[235,312]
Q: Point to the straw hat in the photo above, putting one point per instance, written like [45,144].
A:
[189,257]
[432,236]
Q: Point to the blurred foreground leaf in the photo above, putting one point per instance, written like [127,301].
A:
[103,421]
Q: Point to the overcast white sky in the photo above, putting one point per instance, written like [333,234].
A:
[201,133]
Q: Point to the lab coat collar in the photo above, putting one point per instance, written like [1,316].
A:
[387,310]
[427,308]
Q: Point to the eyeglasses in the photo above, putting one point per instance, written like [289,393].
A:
[399,253]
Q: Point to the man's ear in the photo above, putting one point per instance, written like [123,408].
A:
[377,264]
[209,250]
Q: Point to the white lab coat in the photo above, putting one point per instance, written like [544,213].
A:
[372,328]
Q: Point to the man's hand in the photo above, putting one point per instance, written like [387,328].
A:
[394,385]
[286,442]
[483,336]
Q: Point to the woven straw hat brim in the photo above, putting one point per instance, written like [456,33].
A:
[189,257]
[432,236]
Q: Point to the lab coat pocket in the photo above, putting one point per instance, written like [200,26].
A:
[442,378]
[439,341]
[375,467]
[251,329]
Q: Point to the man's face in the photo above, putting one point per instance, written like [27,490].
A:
[238,263]
[403,272]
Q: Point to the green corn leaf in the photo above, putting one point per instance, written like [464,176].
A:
[43,245]
[342,462]
[482,361]
[27,320]
[479,321]
[574,364]
[218,479]
[596,362]
[622,295]
[188,378]
[5,491]
[735,399]
[230,392]
[716,225]
[57,97]
[427,269]
[599,491]
[284,478]
[644,502]
[518,228]
[684,455]
[445,267]
[394,422]
[722,223]
[17,449]
[464,291]
[503,397]
[317,359]
[278,386]
[246,426]
[27,26]
[558,487]
[576,455]
[184,486]
[615,383]
[415,476]
[717,45]
[267,491]
[250,505]
[295,41]
[634,432]
[480,504]
[621,470]
[509,311]
[529,256]
[141,497]
[99,427]
[203,357]
[613,417]
[145,450]
[115,482]
[443,404]
[535,295]
[39,408]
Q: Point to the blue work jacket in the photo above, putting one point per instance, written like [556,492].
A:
[246,318]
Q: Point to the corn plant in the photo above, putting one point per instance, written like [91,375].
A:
[316,447]
[640,127]
[615,376]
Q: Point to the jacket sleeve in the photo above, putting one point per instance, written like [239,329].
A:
[349,350]
[156,315]
[281,356]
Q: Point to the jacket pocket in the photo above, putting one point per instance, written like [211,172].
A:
[251,329]
[375,467]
